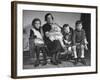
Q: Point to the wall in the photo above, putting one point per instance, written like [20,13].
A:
[59,17]
[5,41]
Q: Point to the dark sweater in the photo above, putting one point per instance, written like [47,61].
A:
[79,36]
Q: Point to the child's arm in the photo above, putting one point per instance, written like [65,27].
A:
[32,36]
[66,41]
[85,40]
[41,31]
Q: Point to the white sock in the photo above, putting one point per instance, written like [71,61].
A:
[82,56]
[75,54]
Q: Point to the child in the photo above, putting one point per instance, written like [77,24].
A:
[67,38]
[79,41]
[35,34]
[55,34]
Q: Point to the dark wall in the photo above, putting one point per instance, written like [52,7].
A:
[86,19]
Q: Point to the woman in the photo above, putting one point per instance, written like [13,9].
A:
[54,46]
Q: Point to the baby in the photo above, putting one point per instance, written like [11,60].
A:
[55,34]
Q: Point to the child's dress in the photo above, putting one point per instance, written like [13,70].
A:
[39,46]
[38,39]
[55,32]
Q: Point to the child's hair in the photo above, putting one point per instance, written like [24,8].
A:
[48,15]
[34,20]
[78,22]
[65,25]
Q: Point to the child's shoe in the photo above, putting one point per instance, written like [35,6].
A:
[44,63]
[36,63]
[83,61]
[76,61]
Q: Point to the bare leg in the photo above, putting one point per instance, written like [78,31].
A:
[74,49]
[82,51]
[82,55]
[75,55]
[69,49]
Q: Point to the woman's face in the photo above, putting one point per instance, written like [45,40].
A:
[49,19]
[37,24]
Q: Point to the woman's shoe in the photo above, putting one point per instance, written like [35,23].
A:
[36,63]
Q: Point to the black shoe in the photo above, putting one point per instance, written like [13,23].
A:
[36,63]
[58,61]
[83,61]
[44,63]
[55,63]
[69,57]
[76,61]
[72,57]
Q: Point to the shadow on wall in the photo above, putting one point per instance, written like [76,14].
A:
[26,33]
[86,19]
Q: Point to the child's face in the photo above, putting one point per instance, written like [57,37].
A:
[66,29]
[37,24]
[66,37]
[79,27]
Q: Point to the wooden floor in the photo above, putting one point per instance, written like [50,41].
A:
[28,62]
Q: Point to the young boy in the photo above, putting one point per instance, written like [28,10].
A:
[67,38]
[79,42]
[35,34]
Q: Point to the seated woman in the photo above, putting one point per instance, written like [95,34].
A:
[35,34]
[53,44]
[67,39]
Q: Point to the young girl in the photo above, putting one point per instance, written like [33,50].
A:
[67,38]
[35,34]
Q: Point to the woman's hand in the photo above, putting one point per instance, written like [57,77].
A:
[69,42]
[47,34]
